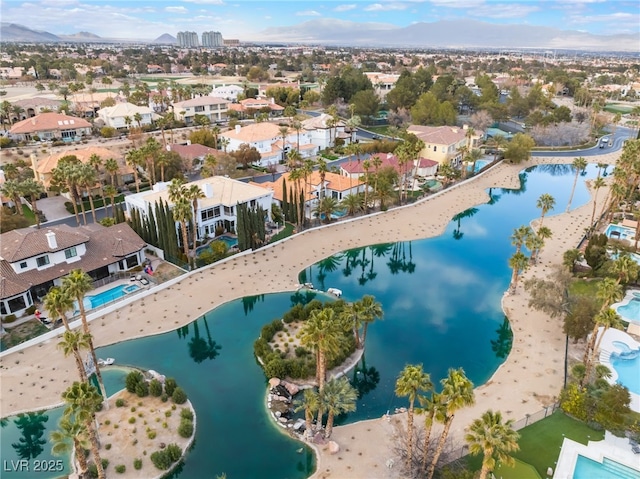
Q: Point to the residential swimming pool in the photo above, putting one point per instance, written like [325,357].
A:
[441,298]
[620,232]
[479,165]
[110,295]
[609,469]
[230,241]
[630,311]
[627,366]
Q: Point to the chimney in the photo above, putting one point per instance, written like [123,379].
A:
[51,239]
[389,156]
[238,127]
[465,127]
[207,189]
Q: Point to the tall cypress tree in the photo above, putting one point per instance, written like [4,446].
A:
[285,202]
[153,230]
[293,208]
[161,236]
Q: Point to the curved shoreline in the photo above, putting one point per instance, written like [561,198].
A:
[307,248]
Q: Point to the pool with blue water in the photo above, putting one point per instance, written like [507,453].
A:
[607,469]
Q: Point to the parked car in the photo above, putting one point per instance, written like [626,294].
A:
[604,141]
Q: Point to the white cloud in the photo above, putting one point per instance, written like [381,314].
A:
[176,10]
[607,17]
[345,8]
[385,7]
[308,13]
[504,11]
[205,2]
[457,3]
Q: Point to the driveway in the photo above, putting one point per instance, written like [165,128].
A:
[53,208]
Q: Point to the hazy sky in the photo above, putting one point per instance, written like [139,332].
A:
[244,19]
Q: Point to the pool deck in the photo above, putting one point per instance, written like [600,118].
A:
[530,378]
[607,348]
[614,448]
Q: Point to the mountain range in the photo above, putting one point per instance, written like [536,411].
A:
[467,34]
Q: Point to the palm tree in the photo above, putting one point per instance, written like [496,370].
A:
[520,236]
[433,409]
[77,284]
[625,268]
[326,207]
[137,117]
[518,263]
[310,403]
[111,192]
[534,244]
[112,167]
[321,333]
[366,166]
[32,189]
[163,161]
[322,169]
[493,439]
[337,397]
[58,303]
[597,184]
[11,189]
[71,343]
[352,313]
[546,202]
[133,159]
[457,392]
[284,131]
[182,214]
[609,291]
[571,257]
[606,318]
[370,311]
[579,164]
[128,121]
[83,400]
[87,178]
[70,430]
[352,203]
[193,193]
[411,381]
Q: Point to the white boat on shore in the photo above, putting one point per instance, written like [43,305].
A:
[335,291]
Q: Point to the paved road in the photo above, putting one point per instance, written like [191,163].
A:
[622,134]
[71,220]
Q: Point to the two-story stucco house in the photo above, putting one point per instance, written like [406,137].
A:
[123,115]
[323,132]
[218,207]
[51,126]
[445,143]
[214,108]
[32,260]
[268,140]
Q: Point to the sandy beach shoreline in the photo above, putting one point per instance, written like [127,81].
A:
[529,379]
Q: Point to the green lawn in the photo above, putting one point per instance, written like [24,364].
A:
[581,286]
[521,470]
[287,231]
[28,214]
[540,446]
[616,108]
[540,443]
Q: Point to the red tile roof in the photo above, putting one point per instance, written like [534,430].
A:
[48,122]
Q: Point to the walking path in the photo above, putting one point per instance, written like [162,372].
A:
[530,378]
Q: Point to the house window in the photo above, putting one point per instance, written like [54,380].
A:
[228,210]
[42,261]
[23,265]
[252,203]
[216,211]
[199,109]
[70,252]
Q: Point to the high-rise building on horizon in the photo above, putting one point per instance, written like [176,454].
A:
[212,39]
[188,40]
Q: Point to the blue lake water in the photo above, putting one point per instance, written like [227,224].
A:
[441,299]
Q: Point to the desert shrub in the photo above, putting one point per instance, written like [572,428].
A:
[132,380]
[179,396]
[132,420]
[107,446]
[261,347]
[9,318]
[301,352]
[107,132]
[142,389]
[185,429]
[164,397]
[174,451]
[151,434]
[120,468]
[161,460]
[107,422]
[187,414]
[92,470]
[31,309]
[167,414]
[275,367]
[119,402]
[155,388]
[5,142]
[170,386]
[137,464]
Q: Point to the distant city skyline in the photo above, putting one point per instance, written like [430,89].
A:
[244,19]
